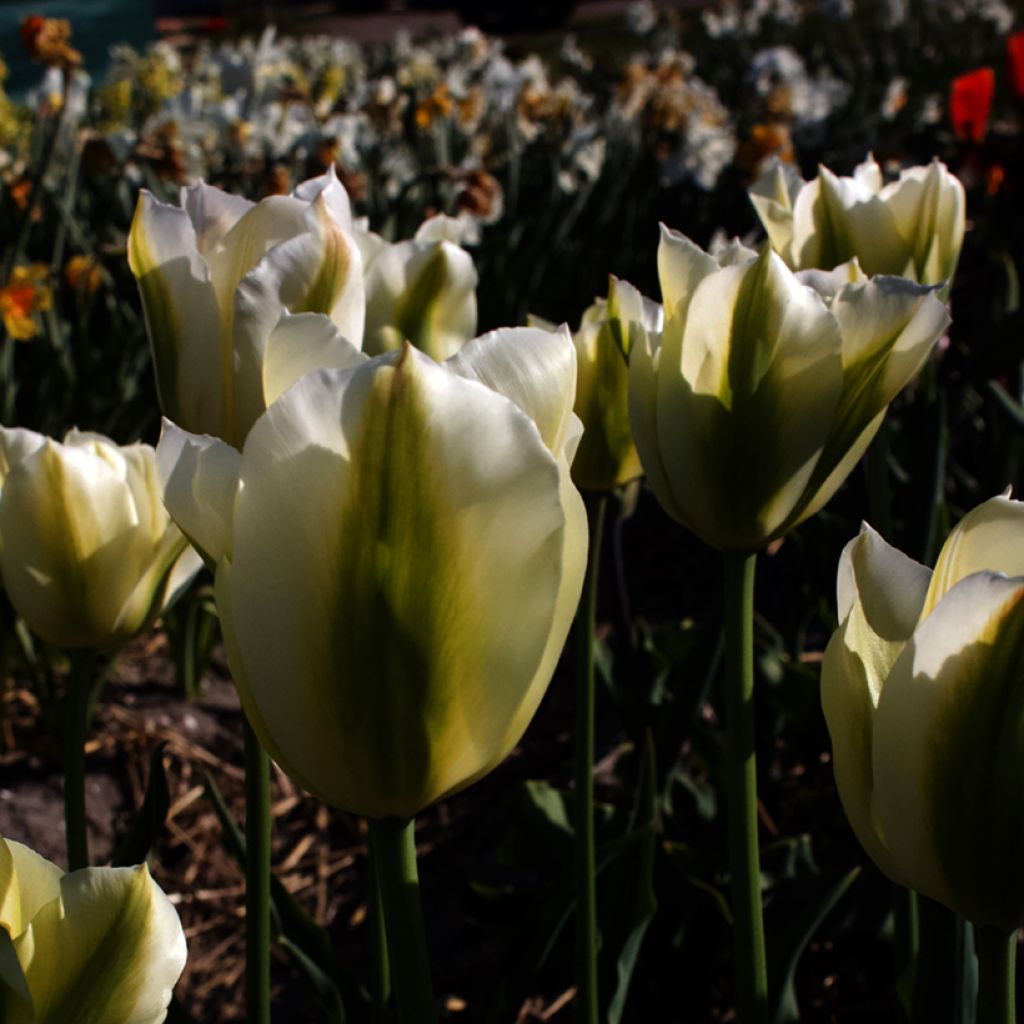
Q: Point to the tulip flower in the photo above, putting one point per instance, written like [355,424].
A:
[606,457]
[970,103]
[921,692]
[93,946]
[426,547]
[765,387]
[220,275]
[88,553]
[422,291]
[913,227]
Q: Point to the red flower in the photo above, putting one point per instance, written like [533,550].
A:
[970,101]
[1015,60]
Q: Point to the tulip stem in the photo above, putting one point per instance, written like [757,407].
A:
[741,788]
[74,728]
[257,879]
[906,931]
[586,891]
[381,975]
[997,973]
[394,848]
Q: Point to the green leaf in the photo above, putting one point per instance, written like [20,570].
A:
[148,823]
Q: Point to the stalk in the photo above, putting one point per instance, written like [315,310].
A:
[997,972]
[585,874]
[741,783]
[380,972]
[257,879]
[74,729]
[394,849]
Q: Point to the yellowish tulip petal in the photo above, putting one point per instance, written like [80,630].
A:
[300,343]
[121,950]
[199,476]
[419,490]
[773,196]
[27,883]
[749,413]
[182,313]
[681,267]
[987,538]
[16,444]
[869,174]
[929,207]
[330,190]
[949,732]
[213,213]
[535,368]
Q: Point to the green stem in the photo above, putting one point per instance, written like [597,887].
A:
[741,782]
[586,898]
[876,468]
[946,978]
[394,848]
[381,975]
[997,972]
[74,729]
[904,908]
[257,880]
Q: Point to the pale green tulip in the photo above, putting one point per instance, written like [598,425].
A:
[607,457]
[921,687]
[422,291]
[88,553]
[96,946]
[399,551]
[220,275]
[765,387]
[913,227]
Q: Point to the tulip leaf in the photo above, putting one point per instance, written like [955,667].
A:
[335,988]
[148,823]
[816,902]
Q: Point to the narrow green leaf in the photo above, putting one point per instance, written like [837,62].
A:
[149,820]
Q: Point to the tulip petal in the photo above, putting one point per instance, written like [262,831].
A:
[987,538]
[213,212]
[16,445]
[121,947]
[681,267]
[27,883]
[199,475]
[773,196]
[419,490]
[299,344]
[948,735]
[535,368]
[333,194]
[182,313]
[880,593]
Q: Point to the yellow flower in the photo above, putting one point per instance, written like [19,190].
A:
[83,274]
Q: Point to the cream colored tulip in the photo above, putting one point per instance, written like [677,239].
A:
[88,553]
[764,388]
[607,457]
[422,291]
[96,946]
[913,227]
[921,687]
[243,298]
[399,551]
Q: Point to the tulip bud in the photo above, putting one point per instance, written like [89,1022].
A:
[426,548]
[88,553]
[95,945]
[422,291]
[220,275]
[913,227]
[764,388]
[921,691]
[607,456]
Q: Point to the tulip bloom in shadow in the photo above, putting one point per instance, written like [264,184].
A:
[399,551]
[749,410]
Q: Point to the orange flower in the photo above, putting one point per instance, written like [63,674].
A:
[25,294]
[437,104]
[46,40]
[1015,60]
[970,101]
[83,274]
